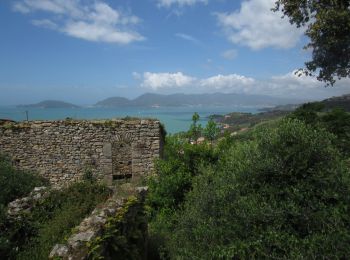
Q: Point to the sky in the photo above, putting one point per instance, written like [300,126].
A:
[83,51]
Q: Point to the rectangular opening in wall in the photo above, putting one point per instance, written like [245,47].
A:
[121,160]
[122,177]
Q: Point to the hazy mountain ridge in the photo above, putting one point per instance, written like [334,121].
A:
[215,99]
[113,101]
[50,104]
[340,102]
[329,103]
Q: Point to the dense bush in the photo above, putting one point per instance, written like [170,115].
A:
[308,112]
[336,121]
[284,195]
[51,221]
[175,172]
[124,235]
[173,179]
[15,183]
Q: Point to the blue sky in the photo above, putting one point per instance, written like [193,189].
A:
[83,51]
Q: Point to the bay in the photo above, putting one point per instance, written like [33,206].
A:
[175,119]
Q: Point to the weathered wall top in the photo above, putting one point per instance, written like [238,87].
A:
[63,151]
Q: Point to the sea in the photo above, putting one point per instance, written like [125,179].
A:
[175,119]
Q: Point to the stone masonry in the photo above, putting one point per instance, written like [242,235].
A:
[62,151]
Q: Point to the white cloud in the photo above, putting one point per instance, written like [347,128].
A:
[188,38]
[178,80]
[256,26]
[180,3]
[96,21]
[46,23]
[286,85]
[231,82]
[294,84]
[294,80]
[98,33]
[158,81]
[229,54]
[136,75]
[52,6]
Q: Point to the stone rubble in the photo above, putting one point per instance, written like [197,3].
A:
[24,205]
[91,227]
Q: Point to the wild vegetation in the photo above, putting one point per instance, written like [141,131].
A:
[51,220]
[239,120]
[14,184]
[279,190]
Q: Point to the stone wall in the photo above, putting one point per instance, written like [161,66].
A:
[63,151]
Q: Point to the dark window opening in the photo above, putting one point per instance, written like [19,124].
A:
[122,176]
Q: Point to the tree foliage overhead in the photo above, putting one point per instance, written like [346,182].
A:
[328,27]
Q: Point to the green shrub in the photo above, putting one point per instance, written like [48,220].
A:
[173,179]
[16,183]
[336,121]
[124,235]
[51,220]
[174,173]
[89,175]
[308,112]
[283,195]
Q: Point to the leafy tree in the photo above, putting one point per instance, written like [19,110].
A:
[308,112]
[211,130]
[284,195]
[173,180]
[328,27]
[336,121]
[195,130]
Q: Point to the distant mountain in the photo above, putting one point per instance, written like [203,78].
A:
[287,108]
[215,99]
[113,102]
[50,104]
[328,104]
[341,102]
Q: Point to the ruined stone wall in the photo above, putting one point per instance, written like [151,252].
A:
[63,151]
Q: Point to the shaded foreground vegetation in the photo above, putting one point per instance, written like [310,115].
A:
[52,219]
[279,190]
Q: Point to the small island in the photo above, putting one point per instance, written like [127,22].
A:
[50,104]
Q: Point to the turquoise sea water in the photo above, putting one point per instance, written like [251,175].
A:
[175,119]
